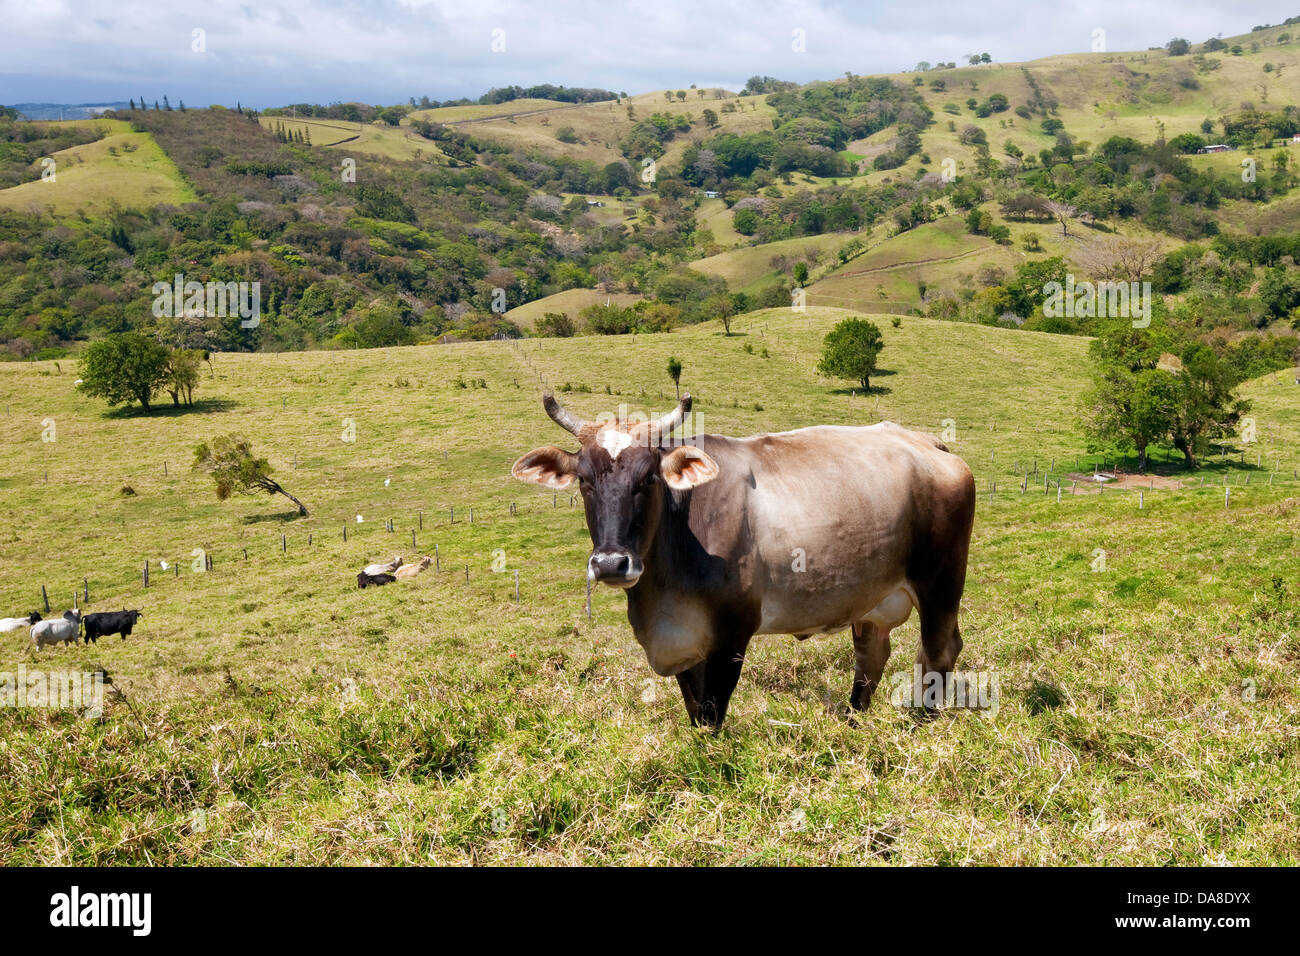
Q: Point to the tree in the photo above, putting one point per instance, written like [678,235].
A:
[183,374]
[1143,394]
[1207,405]
[1178,47]
[1063,212]
[675,373]
[1120,258]
[555,325]
[234,468]
[710,119]
[720,307]
[850,351]
[124,367]
[1131,410]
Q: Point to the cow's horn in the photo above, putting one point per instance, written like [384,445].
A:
[562,416]
[668,423]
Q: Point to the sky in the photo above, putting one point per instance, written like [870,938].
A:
[273,52]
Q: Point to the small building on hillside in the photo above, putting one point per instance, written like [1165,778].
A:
[1216,148]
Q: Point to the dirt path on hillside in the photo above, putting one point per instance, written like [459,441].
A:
[501,116]
[903,265]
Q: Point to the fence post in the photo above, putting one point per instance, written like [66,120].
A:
[146,572]
[413,539]
[46,598]
[86,584]
[284,544]
[437,562]
[516,587]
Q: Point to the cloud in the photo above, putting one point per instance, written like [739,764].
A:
[383,51]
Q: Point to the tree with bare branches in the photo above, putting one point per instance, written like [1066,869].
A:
[1063,212]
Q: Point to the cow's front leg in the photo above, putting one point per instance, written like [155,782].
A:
[707,687]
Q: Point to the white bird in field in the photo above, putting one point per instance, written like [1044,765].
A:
[162,564]
[360,519]
[386,481]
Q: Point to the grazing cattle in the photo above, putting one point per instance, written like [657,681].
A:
[407,571]
[63,629]
[372,570]
[14,623]
[803,532]
[368,580]
[107,623]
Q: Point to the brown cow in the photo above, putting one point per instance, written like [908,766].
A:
[802,532]
[411,570]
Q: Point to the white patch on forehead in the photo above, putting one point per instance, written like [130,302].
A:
[613,441]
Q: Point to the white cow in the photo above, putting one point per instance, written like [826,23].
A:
[13,623]
[374,570]
[57,629]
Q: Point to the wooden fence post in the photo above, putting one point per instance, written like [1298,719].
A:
[46,598]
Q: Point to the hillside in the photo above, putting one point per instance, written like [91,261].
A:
[123,168]
[441,721]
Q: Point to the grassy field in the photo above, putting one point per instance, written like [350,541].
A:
[570,301]
[476,111]
[750,267]
[599,127]
[273,713]
[376,139]
[124,168]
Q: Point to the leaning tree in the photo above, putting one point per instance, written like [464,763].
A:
[234,468]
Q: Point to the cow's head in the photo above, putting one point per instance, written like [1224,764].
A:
[622,470]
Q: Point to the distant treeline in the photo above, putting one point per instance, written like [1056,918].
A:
[364,113]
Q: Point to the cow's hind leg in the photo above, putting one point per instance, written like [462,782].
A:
[707,687]
[870,654]
[940,642]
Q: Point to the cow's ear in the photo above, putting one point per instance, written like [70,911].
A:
[549,466]
[687,467]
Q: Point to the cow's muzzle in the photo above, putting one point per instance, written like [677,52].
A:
[618,569]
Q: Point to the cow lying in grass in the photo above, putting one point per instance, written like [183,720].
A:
[407,571]
[13,623]
[65,629]
[374,570]
[107,623]
[373,580]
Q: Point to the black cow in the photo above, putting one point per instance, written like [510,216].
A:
[108,623]
[366,580]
